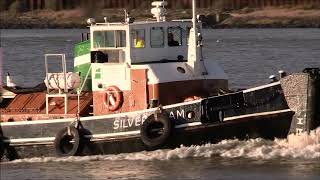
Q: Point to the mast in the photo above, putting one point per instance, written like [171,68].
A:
[194,16]
[0,65]
[193,48]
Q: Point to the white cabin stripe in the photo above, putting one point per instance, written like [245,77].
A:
[167,72]
[84,59]
[257,114]
[261,87]
[30,140]
[113,134]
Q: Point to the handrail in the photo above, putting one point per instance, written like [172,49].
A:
[64,69]
[81,88]
[62,92]
[85,79]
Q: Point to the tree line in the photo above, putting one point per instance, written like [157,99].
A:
[30,5]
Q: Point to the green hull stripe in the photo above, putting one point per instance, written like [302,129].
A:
[82,48]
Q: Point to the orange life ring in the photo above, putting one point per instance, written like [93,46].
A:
[113,98]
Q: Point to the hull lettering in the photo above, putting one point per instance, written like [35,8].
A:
[128,123]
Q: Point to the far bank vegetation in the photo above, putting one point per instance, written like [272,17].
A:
[18,6]
[231,13]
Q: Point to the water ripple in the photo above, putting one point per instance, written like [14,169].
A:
[304,146]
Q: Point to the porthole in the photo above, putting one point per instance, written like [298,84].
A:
[181,70]
[190,114]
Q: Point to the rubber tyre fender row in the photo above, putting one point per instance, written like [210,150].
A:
[62,144]
[151,123]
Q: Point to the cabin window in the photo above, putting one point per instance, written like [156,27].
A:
[174,36]
[138,38]
[109,39]
[121,38]
[157,37]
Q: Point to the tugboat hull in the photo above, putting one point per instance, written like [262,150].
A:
[271,111]
[268,125]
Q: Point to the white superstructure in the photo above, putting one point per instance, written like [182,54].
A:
[152,58]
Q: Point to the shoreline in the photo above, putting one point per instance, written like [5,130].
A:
[245,18]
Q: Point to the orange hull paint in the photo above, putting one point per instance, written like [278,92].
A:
[166,93]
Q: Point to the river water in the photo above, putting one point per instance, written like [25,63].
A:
[248,56]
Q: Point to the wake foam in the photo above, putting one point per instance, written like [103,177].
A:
[303,146]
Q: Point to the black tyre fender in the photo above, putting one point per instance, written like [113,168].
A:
[63,145]
[2,148]
[149,131]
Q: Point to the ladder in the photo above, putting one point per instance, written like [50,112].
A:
[62,92]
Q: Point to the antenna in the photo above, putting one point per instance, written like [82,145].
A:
[194,19]
[193,54]
[125,15]
[158,10]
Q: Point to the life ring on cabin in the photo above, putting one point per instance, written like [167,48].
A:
[113,98]
[156,130]
[68,142]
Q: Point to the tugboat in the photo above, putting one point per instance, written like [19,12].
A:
[144,86]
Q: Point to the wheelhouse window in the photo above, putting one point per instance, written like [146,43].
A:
[174,36]
[157,37]
[109,39]
[121,38]
[138,38]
